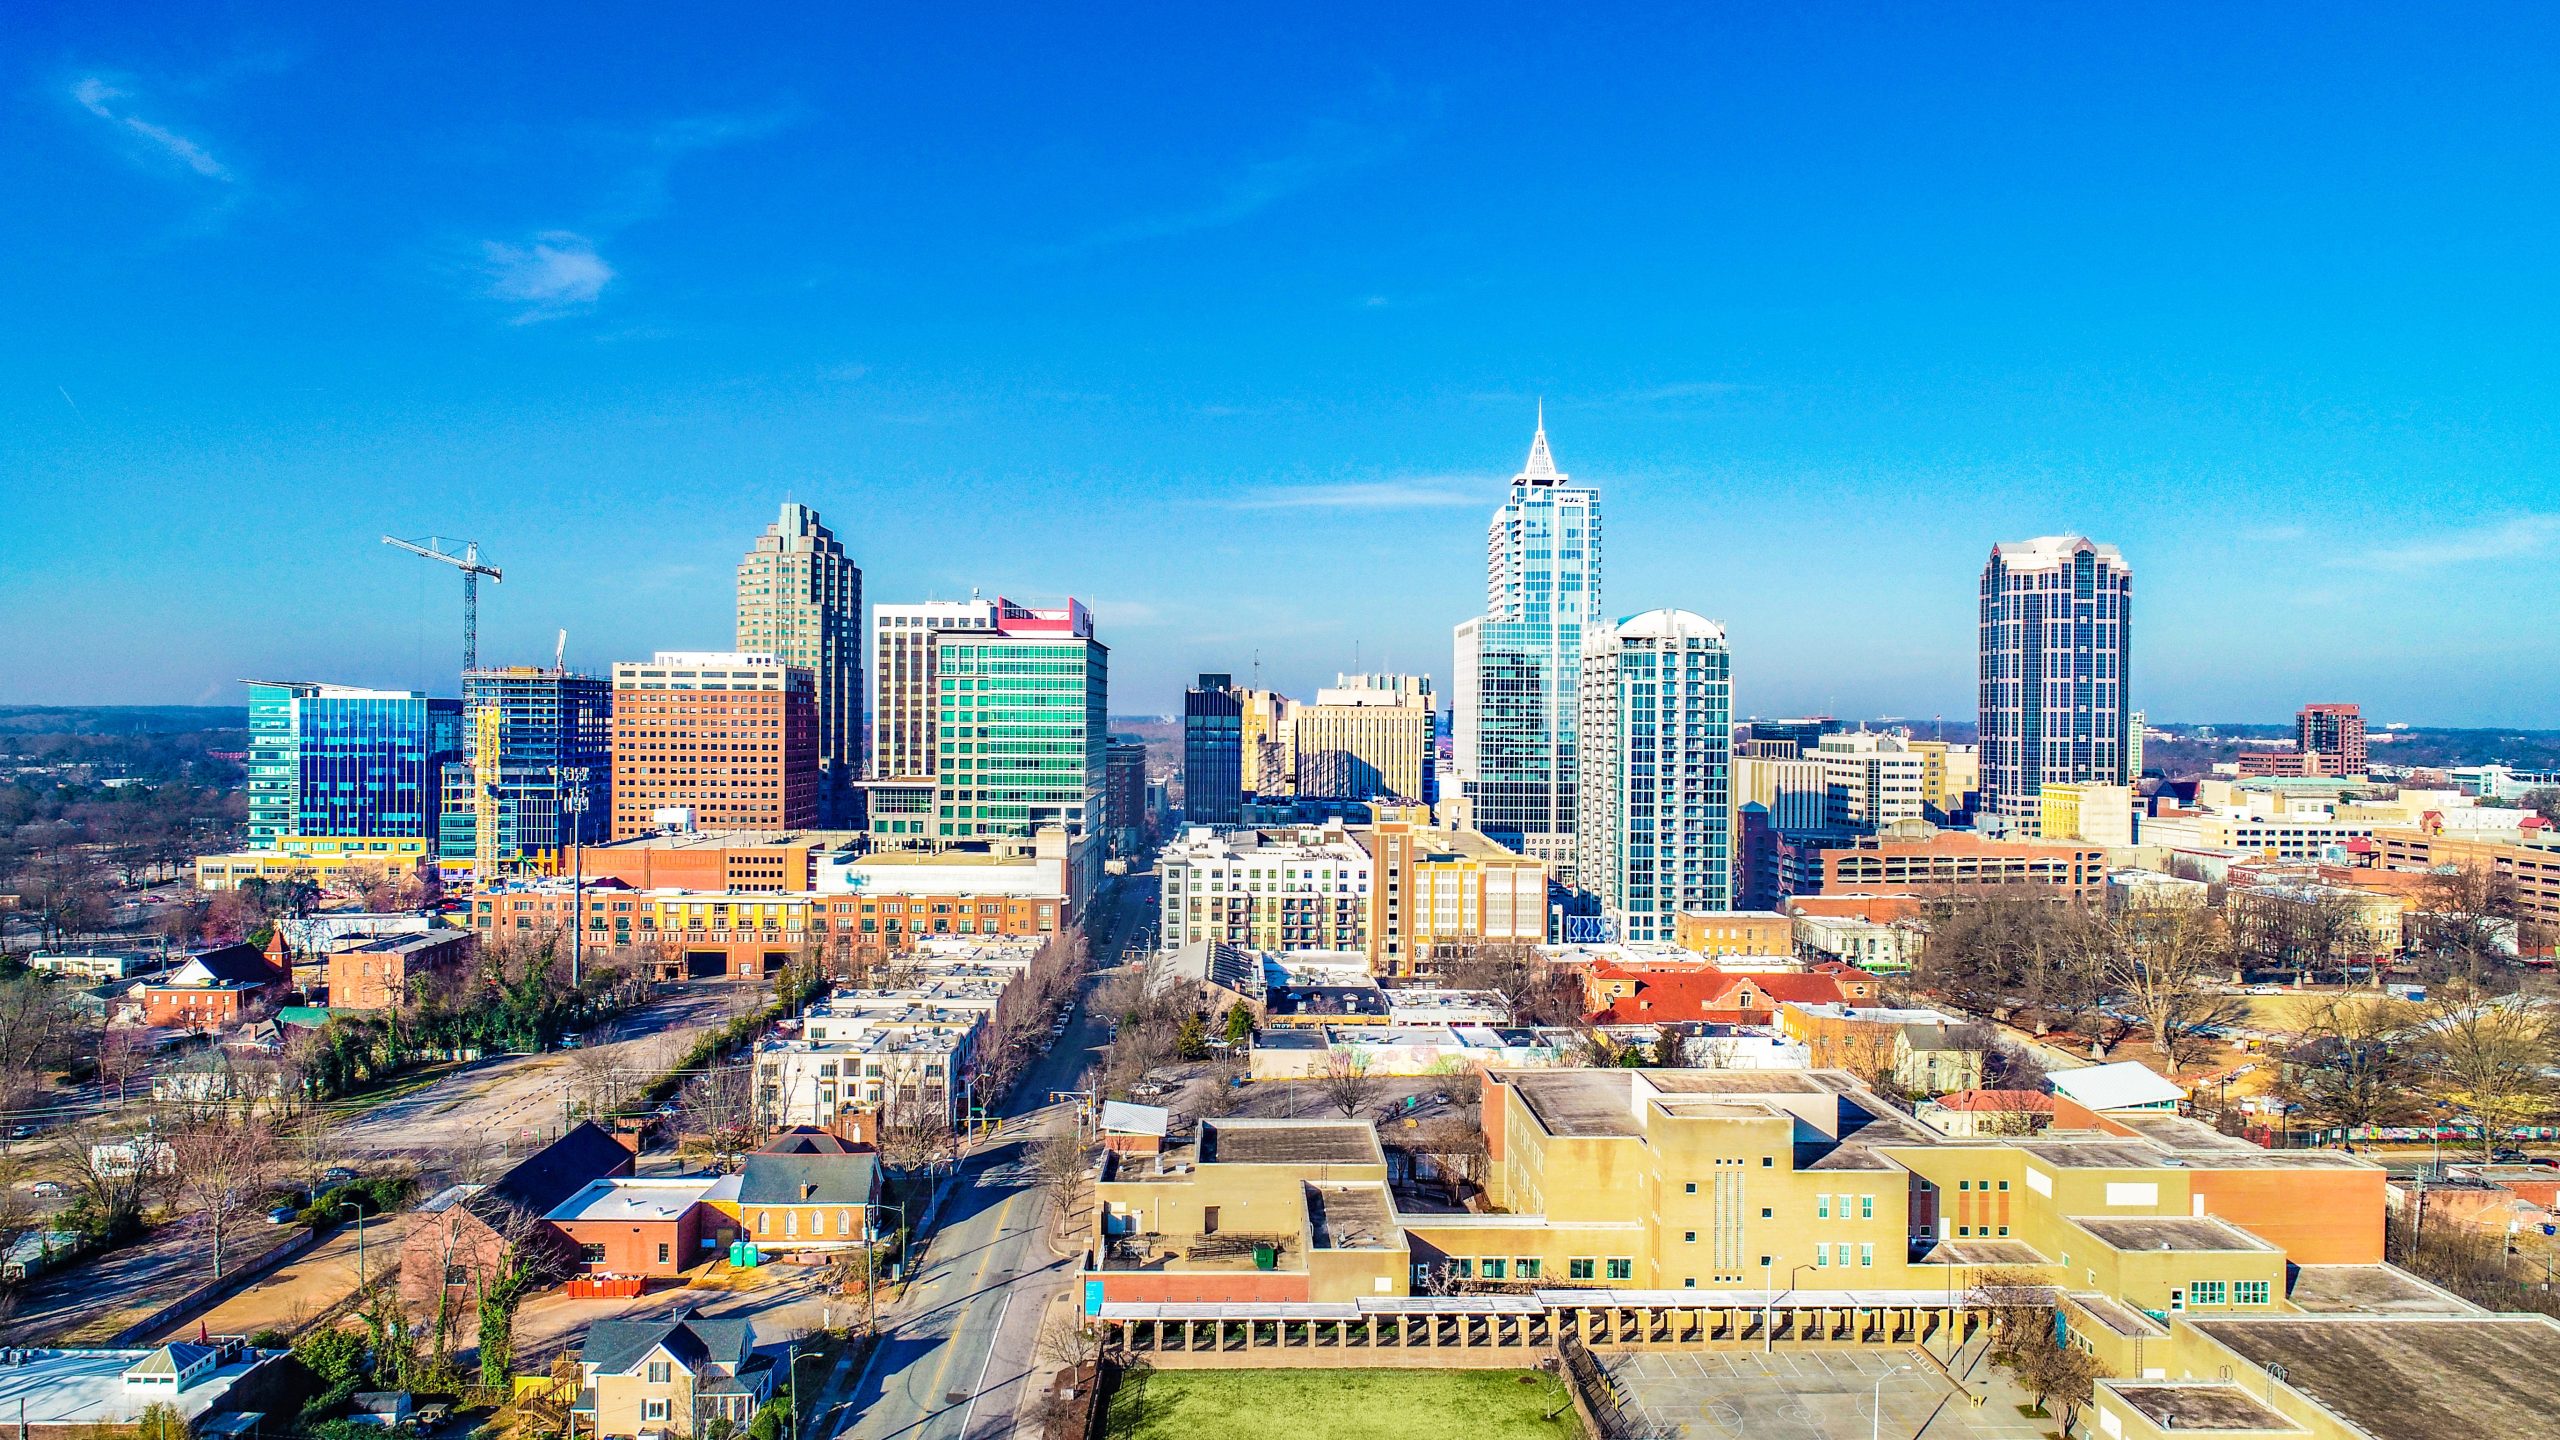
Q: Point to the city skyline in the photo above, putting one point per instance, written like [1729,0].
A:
[1825,311]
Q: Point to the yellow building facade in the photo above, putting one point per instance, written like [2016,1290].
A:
[322,859]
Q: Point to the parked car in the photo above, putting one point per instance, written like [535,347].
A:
[282,1215]
[2508,1155]
[50,1188]
[337,1175]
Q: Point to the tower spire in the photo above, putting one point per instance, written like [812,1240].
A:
[1541,469]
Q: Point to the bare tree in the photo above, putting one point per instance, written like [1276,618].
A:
[916,1135]
[717,1120]
[2354,1062]
[1061,1163]
[67,893]
[114,1173]
[2469,925]
[1540,992]
[2172,967]
[122,1054]
[223,1162]
[1346,1083]
[2061,1378]
[2494,1059]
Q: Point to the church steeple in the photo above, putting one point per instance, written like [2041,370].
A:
[1541,469]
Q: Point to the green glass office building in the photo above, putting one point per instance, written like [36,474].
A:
[1023,732]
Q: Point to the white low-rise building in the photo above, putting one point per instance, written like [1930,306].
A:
[907,1070]
[1300,889]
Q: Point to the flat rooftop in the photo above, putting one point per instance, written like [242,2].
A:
[2120,1317]
[1288,1142]
[1350,1217]
[2413,1377]
[634,1201]
[1984,1252]
[2169,1232]
[1580,1102]
[2199,1405]
[2371,1290]
[733,840]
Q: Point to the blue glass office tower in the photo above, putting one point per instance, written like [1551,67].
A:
[1656,824]
[1213,753]
[369,762]
[549,721]
[273,758]
[1519,664]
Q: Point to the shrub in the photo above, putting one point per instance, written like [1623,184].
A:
[335,1356]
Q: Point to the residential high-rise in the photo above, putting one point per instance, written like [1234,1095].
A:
[1519,664]
[904,703]
[1655,832]
[730,738]
[1024,729]
[1364,737]
[369,762]
[1213,752]
[272,758]
[1869,780]
[2055,674]
[553,727]
[800,601]
[1432,890]
[1124,796]
[2335,733]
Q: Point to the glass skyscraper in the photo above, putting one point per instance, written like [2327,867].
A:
[2056,669]
[272,759]
[548,720]
[1657,772]
[1519,664]
[1024,732]
[1213,753]
[370,762]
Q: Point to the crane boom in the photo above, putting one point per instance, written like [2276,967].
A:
[468,562]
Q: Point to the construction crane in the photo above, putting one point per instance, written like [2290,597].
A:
[468,562]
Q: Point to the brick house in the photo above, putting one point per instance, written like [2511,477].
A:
[457,1235]
[214,990]
[385,972]
[622,1226]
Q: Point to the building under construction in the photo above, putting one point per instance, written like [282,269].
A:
[549,725]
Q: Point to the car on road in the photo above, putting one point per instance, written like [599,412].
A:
[2509,1156]
[337,1175]
[282,1215]
[50,1188]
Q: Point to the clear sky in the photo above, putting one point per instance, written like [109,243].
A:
[1231,321]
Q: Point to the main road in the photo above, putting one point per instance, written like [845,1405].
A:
[958,1355]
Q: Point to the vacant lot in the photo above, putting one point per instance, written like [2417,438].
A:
[1342,1405]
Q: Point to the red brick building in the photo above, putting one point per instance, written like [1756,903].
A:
[625,1226]
[1617,994]
[463,1230]
[215,990]
[730,738]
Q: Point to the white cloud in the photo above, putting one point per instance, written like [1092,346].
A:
[555,273]
[95,95]
[2519,537]
[1364,495]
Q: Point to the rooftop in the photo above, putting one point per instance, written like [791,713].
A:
[1351,1217]
[2170,1232]
[733,840]
[637,1201]
[2371,1290]
[2198,1405]
[2409,1377]
[1288,1142]
[87,1387]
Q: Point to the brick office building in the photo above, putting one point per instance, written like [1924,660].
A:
[730,739]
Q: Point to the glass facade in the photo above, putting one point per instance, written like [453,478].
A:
[1657,787]
[2056,669]
[271,759]
[369,762]
[1023,735]
[1213,753]
[547,721]
[1518,666]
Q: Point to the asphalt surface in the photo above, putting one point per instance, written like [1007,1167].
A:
[958,1356]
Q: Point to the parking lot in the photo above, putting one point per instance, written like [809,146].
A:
[1812,1395]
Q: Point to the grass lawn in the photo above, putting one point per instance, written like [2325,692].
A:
[1341,1405]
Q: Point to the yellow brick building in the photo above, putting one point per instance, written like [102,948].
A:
[322,859]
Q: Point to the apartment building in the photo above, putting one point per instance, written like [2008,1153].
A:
[715,741]
[1302,889]
[1868,780]
[1431,889]
[1654,829]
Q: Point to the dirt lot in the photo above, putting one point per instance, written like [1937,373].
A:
[1813,1395]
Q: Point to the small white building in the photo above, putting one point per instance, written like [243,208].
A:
[2126,1085]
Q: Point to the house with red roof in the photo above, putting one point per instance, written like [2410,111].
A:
[1616,993]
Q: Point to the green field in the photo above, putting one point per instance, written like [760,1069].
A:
[1341,1405]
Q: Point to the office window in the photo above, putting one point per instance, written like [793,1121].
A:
[1765,1212]
[1689,1237]
[1689,1284]
[1492,1268]
[2250,1292]
[1822,1257]
[2208,1292]
[1964,1184]
[1866,1255]
[1692,1187]
[2004,1184]
[1622,1269]
[1768,1162]
[1821,1207]
[1463,1269]
[1527,1267]
[1579,1269]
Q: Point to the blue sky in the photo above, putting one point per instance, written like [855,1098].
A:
[1232,321]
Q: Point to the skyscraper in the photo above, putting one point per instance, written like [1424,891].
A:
[1519,664]
[550,723]
[2055,673]
[370,762]
[730,738]
[800,601]
[272,758]
[1213,752]
[1656,828]
[1365,736]
[2333,732]
[1124,799]
[1024,727]
[904,703]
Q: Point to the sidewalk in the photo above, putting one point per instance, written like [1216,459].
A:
[306,1287]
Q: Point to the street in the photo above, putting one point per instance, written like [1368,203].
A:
[958,1355]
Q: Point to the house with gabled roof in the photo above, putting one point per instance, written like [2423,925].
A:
[671,1377]
[462,1231]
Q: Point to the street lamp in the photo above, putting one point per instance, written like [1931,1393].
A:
[1875,1414]
[359,1214]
